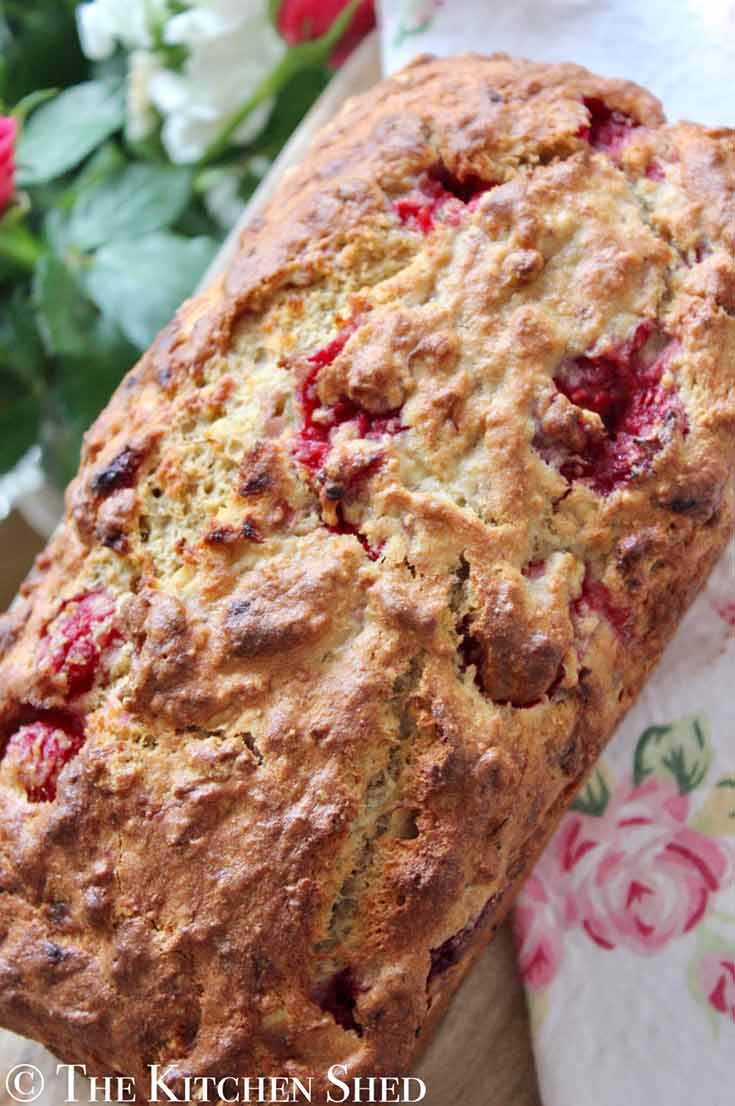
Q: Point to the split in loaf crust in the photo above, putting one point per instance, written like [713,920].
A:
[365,560]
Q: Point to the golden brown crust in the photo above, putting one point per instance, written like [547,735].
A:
[365,560]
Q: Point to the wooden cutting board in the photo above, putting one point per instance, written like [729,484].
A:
[481,1054]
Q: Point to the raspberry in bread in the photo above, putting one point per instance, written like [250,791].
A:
[364,561]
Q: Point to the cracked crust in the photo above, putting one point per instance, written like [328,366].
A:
[394,521]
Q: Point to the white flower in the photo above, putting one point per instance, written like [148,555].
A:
[96,37]
[231,47]
[102,24]
[141,114]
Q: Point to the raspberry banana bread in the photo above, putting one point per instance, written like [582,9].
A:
[364,561]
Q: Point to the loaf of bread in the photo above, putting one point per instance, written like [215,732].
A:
[365,560]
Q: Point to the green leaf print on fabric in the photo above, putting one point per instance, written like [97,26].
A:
[711,977]
[717,816]
[680,749]
[415,17]
[594,796]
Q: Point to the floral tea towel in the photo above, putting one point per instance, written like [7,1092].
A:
[626,929]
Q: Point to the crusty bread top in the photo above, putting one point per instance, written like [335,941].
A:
[364,561]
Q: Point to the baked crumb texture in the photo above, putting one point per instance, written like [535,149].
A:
[366,558]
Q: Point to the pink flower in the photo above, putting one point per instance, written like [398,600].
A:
[8,129]
[538,932]
[638,876]
[302,20]
[716,980]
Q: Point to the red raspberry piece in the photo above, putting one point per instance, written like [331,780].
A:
[329,353]
[623,387]
[608,129]
[38,750]
[435,191]
[655,171]
[417,209]
[313,440]
[75,641]
[596,597]
[311,447]
[345,527]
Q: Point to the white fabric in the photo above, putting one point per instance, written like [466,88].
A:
[682,50]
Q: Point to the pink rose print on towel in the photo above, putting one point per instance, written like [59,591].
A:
[538,932]
[631,869]
[639,876]
[715,979]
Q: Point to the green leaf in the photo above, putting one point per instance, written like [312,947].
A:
[129,203]
[21,369]
[38,39]
[43,197]
[85,384]
[104,161]
[20,346]
[196,222]
[716,816]
[680,749]
[90,355]
[33,100]
[58,197]
[594,796]
[65,130]
[82,386]
[18,246]
[64,314]
[72,328]
[61,433]
[56,232]
[19,412]
[141,283]
[115,66]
